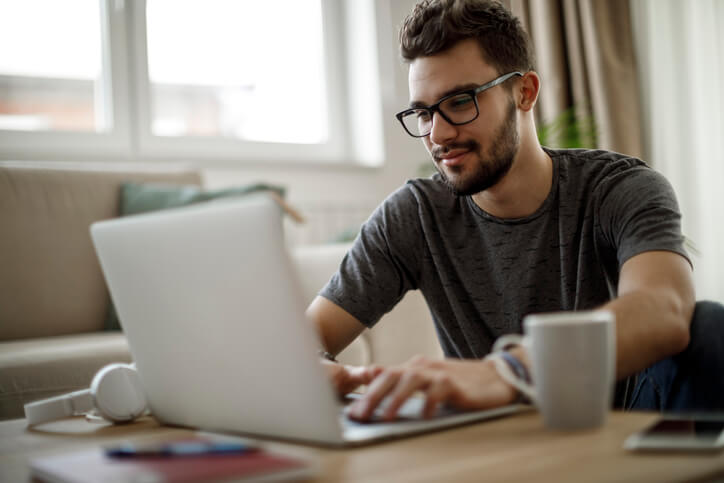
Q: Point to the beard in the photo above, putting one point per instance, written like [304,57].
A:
[489,169]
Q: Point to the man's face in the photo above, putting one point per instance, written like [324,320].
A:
[473,157]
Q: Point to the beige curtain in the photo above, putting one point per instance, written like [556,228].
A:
[585,57]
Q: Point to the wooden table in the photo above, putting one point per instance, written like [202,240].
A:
[515,448]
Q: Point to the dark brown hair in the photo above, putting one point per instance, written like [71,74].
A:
[437,25]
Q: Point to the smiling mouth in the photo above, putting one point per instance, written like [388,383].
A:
[453,158]
[453,154]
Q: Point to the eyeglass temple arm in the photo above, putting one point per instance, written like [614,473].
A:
[497,81]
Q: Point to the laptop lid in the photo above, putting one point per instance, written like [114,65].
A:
[212,310]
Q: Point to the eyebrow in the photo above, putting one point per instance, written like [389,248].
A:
[453,90]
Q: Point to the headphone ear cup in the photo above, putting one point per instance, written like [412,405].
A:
[117,393]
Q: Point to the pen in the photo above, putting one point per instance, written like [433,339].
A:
[179,448]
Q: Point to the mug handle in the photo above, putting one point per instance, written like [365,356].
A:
[504,369]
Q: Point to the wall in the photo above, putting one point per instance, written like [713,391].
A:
[353,187]
[679,46]
[334,195]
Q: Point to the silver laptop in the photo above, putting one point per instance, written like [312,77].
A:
[210,303]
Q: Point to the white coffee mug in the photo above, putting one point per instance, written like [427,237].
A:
[573,366]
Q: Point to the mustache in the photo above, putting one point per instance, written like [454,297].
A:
[470,145]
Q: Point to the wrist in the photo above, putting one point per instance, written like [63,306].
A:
[514,348]
[507,393]
[511,364]
[521,354]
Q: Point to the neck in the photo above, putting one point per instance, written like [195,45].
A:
[525,187]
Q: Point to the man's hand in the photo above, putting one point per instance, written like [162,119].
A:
[348,378]
[464,384]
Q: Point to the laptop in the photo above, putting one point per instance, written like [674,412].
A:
[212,309]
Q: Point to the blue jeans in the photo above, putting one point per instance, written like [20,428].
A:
[692,380]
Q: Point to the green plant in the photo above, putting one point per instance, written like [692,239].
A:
[569,130]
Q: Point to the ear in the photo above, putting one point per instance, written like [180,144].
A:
[527,90]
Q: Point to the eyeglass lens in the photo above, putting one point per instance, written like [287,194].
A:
[458,109]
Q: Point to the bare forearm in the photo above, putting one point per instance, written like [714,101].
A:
[653,310]
[336,327]
[649,327]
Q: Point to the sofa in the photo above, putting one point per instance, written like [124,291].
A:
[54,304]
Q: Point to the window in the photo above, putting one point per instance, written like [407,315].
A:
[51,75]
[191,79]
[216,70]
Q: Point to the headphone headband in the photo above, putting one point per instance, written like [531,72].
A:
[72,404]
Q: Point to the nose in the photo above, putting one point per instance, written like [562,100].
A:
[442,131]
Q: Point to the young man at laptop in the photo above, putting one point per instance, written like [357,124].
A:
[507,228]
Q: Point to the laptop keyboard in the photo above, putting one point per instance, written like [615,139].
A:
[411,410]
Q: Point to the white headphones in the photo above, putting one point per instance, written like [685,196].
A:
[115,394]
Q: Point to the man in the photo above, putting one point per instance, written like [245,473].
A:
[505,228]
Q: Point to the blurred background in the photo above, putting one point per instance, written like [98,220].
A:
[302,94]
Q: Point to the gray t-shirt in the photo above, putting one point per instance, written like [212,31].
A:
[481,275]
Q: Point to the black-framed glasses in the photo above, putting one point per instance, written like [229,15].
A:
[457,108]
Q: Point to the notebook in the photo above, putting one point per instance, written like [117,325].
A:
[212,309]
[95,465]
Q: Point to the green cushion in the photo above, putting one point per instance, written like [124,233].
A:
[144,197]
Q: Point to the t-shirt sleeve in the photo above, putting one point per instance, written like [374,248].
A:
[638,212]
[381,266]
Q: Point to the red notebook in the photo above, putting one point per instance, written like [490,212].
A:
[93,466]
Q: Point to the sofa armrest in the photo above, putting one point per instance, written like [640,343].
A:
[33,369]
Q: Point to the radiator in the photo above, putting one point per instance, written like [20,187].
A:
[326,222]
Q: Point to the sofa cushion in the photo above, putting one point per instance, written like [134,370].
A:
[50,280]
[48,366]
[144,197]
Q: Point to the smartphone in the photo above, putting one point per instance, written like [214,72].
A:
[680,433]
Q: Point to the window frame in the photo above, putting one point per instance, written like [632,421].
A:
[116,142]
[127,87]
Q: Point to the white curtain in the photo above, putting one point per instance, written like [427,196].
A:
[680,53]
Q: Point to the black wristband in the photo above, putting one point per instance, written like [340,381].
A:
[520,371]
[326,355]
[517,367]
